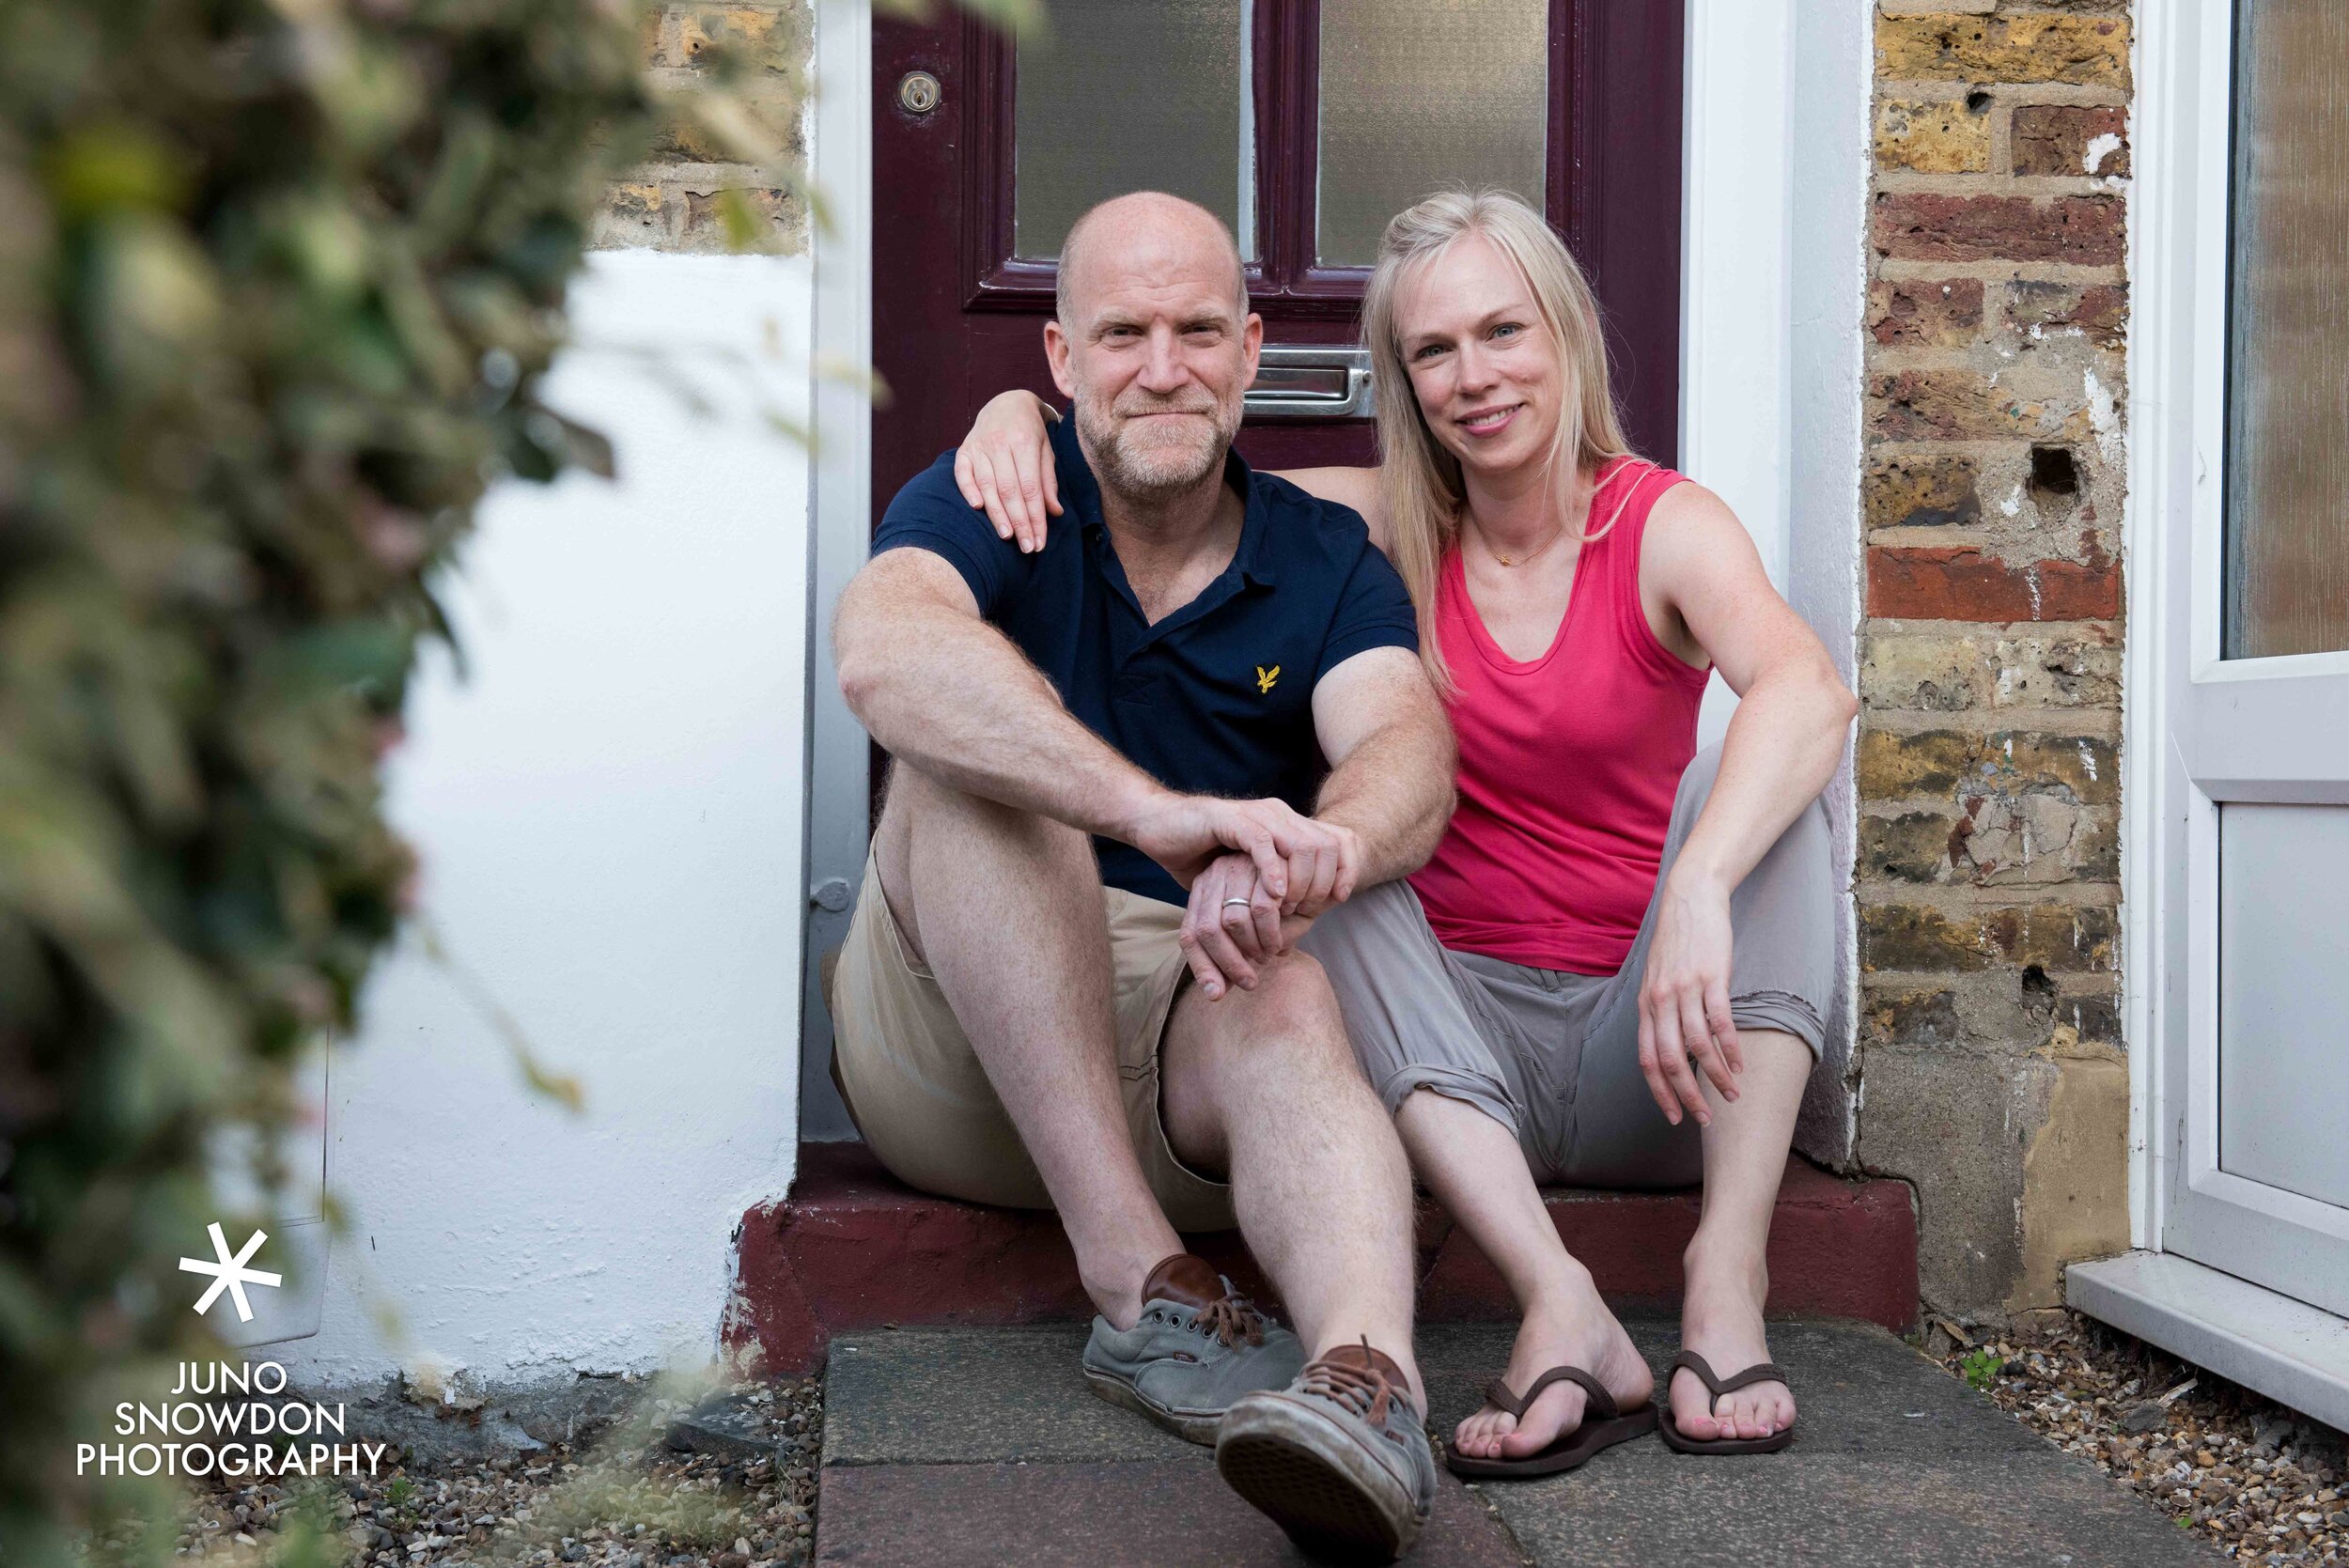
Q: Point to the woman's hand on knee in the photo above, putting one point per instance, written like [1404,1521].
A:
[1684,1023]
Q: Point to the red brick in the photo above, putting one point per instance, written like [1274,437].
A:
[2053,138]
[1942,312]
[1843,1249]
[2086,231]
[852,1249]
[1968,585]
[2099,310]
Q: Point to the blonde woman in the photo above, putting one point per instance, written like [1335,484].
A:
[1615,970]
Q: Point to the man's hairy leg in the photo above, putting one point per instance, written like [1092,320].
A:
[1004,907]
[1261,1083]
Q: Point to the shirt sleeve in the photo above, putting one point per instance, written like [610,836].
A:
[930,514]
[1374,612]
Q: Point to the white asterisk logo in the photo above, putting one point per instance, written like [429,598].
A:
[230,1274]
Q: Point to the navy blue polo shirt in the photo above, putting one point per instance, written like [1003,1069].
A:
[1216,697]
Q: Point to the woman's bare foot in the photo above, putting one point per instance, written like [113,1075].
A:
[1573,1327]
[1721,1319]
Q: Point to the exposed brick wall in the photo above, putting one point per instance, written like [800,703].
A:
[761,49]
[1988,767]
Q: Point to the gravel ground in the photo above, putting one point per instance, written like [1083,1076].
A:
[635,1496]
[2262,1483]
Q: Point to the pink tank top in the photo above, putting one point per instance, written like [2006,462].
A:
[1568,763]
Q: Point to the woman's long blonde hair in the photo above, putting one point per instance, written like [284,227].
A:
[1419,481]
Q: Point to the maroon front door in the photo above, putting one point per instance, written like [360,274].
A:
[1303,125]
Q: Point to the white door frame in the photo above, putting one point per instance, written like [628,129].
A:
[840,526]
[2241,727]
[2258,1337]
[2169,240]
[1774,289]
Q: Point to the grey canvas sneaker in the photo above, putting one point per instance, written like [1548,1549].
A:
[1339,1459]
[1198,1346]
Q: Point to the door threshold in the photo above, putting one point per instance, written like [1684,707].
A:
[2295,1354]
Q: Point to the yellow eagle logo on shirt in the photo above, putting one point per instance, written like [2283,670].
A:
[1265,678]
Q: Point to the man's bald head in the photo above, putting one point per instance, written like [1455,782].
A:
[1149,226]
[1153,342]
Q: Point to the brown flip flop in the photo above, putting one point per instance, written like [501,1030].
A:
[1668,1429]
[1604,1425]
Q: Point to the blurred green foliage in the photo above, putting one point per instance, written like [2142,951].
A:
[278,279]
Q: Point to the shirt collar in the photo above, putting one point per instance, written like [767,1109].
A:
[1078,485]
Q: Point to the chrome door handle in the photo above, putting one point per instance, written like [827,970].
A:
[1296,381]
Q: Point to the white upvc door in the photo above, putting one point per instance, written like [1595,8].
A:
[2242,479]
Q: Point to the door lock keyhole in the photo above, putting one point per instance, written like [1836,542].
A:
[918,92]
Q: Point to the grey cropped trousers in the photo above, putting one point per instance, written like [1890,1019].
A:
[1554,1056]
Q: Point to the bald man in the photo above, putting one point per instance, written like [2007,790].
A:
[1071,980]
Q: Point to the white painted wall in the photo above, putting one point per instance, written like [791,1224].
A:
[1773,295]
[609,815]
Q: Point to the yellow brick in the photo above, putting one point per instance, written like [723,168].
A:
[751,34]
[2089,50]
[1933,137]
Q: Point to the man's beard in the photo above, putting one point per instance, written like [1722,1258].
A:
[1134,463]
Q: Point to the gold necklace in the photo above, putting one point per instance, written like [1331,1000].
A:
[1554,537]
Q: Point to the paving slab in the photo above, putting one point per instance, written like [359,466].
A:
[1148,1514]
[2045,1510]
[953,1446]
[985,1446]
[960,1396]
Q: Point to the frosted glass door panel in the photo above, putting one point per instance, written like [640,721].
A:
[1415,97]
[1125,96]
[2283,997]
[2287,446]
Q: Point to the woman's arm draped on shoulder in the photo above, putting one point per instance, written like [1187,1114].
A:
[1357,487]
[1004,467]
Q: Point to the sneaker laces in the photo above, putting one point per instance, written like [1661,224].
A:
[1365,1390]
[1229,1319]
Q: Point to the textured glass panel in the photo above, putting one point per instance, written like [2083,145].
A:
[1419,94]
[2288,413]
[1131,97]
[2283,990]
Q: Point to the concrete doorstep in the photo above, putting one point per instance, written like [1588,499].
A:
[983,1447]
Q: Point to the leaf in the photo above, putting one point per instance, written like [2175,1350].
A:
[1023,19]
[589,449]
[833,367]
[113,166]
[735,215]
[560,1086]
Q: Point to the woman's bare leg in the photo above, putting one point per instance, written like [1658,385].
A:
[1728,1277]
[1474,1167]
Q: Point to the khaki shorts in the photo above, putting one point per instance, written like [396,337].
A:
[918,1094]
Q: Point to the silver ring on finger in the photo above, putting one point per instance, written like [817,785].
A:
[1243,903]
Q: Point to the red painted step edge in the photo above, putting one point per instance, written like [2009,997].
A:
[852,1248]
